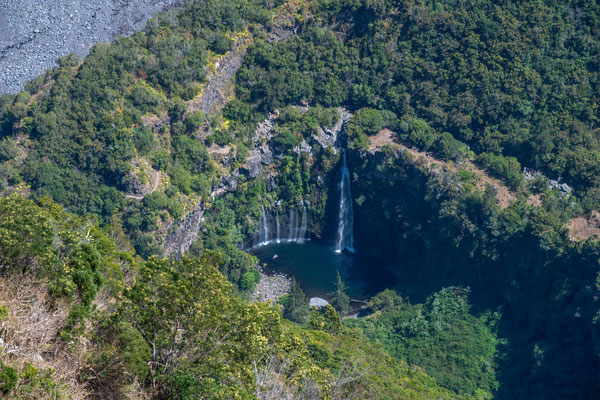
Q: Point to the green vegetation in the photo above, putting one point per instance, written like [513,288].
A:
[440,232]
[339,299]
[175,329]
[119,141]
[453,346]
[296,304]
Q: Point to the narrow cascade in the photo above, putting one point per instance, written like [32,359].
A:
[296,227]
[303,228]
[345,235]
[264,234]
[277,224]
[291,230]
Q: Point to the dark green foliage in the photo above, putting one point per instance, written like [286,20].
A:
[220,43]
[519,258]
[472,70]
[455,347]
[296,305]
[181,179]
[8,378]
[182,386]
[134,350]
[339,299]
[8,150]
[155,201]
[143,139]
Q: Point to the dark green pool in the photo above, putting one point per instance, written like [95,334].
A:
[315,265]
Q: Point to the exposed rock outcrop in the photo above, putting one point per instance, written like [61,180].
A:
[179,240]
[142,179]
[271,287]
[330,136]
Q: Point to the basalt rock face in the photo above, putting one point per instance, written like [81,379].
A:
[297,222]
[330,136]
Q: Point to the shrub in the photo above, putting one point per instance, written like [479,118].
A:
[8,378]
[134,350]
[249,280]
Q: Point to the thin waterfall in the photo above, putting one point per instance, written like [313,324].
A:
[296,227]
[303,229]
[264,234]
[345,235]
[276,228]
[277,224]
[291,230]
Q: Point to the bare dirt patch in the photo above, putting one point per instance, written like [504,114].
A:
[382,138]
[582,228]
[216,149]
[504,195]
[30,331]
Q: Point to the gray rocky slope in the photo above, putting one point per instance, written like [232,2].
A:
[34,33]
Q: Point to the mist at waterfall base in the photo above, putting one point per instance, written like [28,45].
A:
[282,244]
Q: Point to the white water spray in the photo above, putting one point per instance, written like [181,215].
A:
[345,235]
[277,224]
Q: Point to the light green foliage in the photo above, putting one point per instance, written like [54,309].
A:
[187,308]
[249,280]
[506,168]
[364,123]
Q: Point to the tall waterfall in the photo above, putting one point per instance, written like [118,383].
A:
[345,235]
[264,229]
[276,227]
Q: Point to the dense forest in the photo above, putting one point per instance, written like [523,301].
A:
[133,180]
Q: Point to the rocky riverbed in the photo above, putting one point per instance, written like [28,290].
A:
[271,287]
[34,33]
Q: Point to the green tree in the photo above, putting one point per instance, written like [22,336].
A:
[339,299]
[296,307]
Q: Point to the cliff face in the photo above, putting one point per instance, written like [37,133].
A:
[434,230]
[308,213]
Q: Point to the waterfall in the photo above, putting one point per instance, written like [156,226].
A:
[291,230]
[303,228]
[277,223]
[345,236]
[276,228]
[264,231]
[296,227]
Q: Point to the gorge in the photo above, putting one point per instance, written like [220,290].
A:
[315,263]
[371,150]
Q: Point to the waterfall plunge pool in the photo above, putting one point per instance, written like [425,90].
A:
[314,265]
